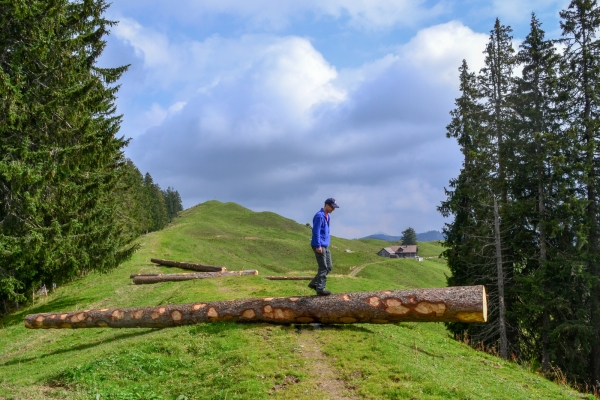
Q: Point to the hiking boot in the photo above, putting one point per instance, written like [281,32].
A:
[312,286]
[324,292]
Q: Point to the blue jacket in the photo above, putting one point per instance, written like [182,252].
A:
[320,230]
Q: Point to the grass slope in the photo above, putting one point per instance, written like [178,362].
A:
[252,361]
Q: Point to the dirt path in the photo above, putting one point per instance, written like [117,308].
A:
[360,268]
[328,383]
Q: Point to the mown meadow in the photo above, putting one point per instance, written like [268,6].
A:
[252,361]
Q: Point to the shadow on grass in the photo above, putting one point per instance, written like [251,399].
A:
[334,327]
[212,328]
[57,305]
[84,346]
[223,327]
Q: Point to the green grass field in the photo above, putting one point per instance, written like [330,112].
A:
[252,361]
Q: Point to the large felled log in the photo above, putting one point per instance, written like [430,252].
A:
[451,304]
[289,278]
[185,265]
[142,279]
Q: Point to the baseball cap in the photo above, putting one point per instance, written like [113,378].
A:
[331,202]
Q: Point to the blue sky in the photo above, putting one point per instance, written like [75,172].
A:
[278,105]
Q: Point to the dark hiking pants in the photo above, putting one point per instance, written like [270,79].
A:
[324,262]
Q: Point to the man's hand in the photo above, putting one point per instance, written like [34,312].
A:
[319,250]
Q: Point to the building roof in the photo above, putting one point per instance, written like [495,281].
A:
[409,248]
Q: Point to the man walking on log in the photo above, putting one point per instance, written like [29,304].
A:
[320,244]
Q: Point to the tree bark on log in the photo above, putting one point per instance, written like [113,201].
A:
[142,279]
[450,304]
[289,278]
[185,265]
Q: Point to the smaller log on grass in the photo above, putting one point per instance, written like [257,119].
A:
[134,275]
[194,274]
[289,278]
[185,265]
[149,278]
[449,304]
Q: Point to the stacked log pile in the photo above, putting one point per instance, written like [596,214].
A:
[450,304]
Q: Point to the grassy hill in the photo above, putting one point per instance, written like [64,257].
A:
[252,361]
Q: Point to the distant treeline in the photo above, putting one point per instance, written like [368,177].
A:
[148,207]
[525,204]
[70,203]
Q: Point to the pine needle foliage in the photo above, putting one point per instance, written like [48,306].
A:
[60,151]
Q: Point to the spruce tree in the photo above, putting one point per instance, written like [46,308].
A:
[580,22]
[479,239]
[496,83]
[59,145]
[542,186]
[465,199]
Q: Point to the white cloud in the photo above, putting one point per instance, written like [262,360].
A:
[284,76]
[156,115]
[269,123]
[440,49]
[351,78]
[152,46]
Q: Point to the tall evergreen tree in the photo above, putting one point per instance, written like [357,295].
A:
[59,145]
[496,82]
[464,236]
[480,240]
[542,186]
[579,24]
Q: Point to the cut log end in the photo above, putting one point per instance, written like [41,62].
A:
[484,301]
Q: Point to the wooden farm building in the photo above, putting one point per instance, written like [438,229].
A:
[407,251]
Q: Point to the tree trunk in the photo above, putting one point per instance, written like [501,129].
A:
[501,305]
[543,258]
[289,278]
[184,265]
[450,304]
[142,279]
